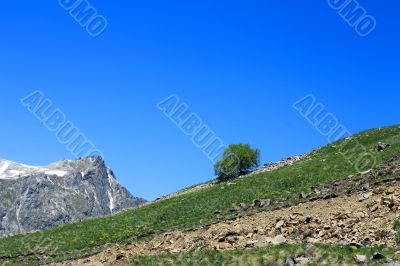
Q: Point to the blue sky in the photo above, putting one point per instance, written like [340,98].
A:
[239,65]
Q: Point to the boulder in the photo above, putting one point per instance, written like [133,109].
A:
[378,256]
[382,147]
[261,203]
[360,259]
[290,262]
[279,239]
[365,196]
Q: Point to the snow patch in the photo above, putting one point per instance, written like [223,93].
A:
[11,170]
[110,196]
[56,172]
[14,173]
[3,168]
[28,166]
[18,208]
[111,201]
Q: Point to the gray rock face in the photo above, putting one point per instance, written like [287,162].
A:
[36,198]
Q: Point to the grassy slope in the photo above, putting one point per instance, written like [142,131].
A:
[274,255]
[197,208]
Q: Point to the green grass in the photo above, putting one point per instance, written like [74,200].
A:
[397,227]
[275,255]
[195,209]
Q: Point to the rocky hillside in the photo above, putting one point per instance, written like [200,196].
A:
[320,199]
[356,212]
[35,198]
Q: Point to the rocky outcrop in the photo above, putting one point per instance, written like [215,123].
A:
[268,167]
[382,147]
[35,198]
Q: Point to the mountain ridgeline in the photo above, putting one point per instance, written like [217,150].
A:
[36,198]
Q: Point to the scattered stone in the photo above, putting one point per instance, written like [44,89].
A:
[279,239]
[290,261]
[391,263]
[223,246]
[303,195]
[251,243]
[301,261]
[378,256]
[355,244]
[279,224]
[389,192]
[308,233]
[285,162]
[261,203]
[227,235]
[312,240]
[382,147]
[119,257]
[262,240]
[360,258]
[365,187]
[243,206]
[374,208]
[327,227]
[365,196]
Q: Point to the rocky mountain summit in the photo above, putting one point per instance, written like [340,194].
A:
[34,198]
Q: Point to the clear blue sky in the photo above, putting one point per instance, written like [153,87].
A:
[239,65]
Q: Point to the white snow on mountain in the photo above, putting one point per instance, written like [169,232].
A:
[12,170]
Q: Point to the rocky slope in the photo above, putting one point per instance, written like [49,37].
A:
[35,198]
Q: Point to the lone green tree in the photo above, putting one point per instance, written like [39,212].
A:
[237,160]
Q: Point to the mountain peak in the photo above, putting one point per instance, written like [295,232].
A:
[39,197]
